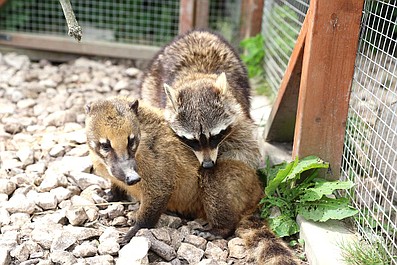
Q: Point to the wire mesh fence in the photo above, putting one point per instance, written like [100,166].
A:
[147,22]
[281,23]
[370,151]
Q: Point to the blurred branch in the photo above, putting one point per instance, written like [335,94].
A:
[73,25]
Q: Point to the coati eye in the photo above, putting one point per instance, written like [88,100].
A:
[192,143]
[131,141]
[216,139]
[105,146]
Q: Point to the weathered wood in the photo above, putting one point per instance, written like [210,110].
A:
[327,72]
[201,14]
[186,15]
[251,18]
[64,44]
[281,123]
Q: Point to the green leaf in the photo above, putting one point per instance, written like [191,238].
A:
[307,163]
[283,225]
[326,208]
[281,175]
[324,188]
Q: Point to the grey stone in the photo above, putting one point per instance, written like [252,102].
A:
[162,234]
[4,217]
[110,247]
[84,180]
[85,249]
[110,234]
[190,253]
[160,248]
[24,250]
[26,103]
[46,200]
[78,136]
[7,186]
[196,241]
[214,252]
[63,241]
[132,72]
[119,221]
[38,167]
[61,193]
[169,221]
[101,259]
[5,257]
[52,180]
[83,233]
[135,252]
[20,219]
[17,61]
[236,248]
[112,211]
[76,215]
[57,150]
[43,233]
[20,203]
[63,258]
[26,156]
[91,210]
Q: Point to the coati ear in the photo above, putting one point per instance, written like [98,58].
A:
[221,83]
[134,106]
[171,94]
[87,108]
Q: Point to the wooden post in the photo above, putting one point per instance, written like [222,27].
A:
[251,18]
[327,72]
[186,15]
[281,123]
[201,15]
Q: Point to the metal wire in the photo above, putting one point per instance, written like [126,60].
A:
[281,22]
[370,150]
[147,22]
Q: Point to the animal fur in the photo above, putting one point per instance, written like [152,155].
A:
[203,85]
[164,174]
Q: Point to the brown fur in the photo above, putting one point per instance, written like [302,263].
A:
[198,100]
[224,195]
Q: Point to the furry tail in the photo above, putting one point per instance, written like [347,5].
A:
[263,246]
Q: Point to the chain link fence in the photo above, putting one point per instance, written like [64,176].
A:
[147,22]
[281,23]
[370,151]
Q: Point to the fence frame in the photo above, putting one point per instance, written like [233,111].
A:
[322,65]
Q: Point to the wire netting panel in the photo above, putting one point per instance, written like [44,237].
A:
[148,22]
[140,21]
[281,23]
[370,150]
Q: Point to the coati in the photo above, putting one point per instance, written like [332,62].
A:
[162,174]
[203,85]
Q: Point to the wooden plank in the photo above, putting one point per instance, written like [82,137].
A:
[201,15]
[186,15]
[66,44]
[328,65]
[281,122]
[251,18]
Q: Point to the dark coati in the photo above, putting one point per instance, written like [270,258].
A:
[132,145]
[203,85]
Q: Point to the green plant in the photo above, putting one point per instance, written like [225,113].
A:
[253,55]
[359,253]
[311,197]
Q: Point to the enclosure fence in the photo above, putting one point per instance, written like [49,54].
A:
[370,148]
[144,22]
[281,22]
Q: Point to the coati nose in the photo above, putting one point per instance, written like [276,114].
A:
[132,179]
[208,164]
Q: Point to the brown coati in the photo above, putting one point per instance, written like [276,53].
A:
[131,144]
[203,85]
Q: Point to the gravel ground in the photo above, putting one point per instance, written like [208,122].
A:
[52,209]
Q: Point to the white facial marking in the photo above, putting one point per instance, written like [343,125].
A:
[217,130]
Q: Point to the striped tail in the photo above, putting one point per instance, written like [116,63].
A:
[262,244]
